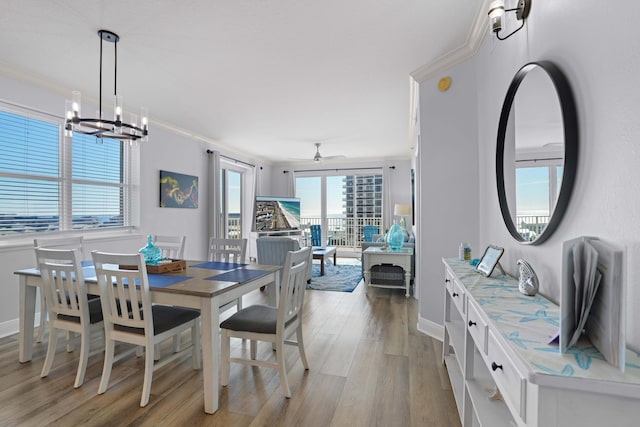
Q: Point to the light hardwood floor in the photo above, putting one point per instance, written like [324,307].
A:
[369,366]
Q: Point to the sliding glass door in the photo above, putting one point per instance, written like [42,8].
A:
[341,204]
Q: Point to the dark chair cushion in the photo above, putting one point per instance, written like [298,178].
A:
[164,318]
[255,318]
[95,313]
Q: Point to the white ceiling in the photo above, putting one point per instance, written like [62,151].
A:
[266,78]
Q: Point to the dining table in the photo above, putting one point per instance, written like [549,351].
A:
[203,285]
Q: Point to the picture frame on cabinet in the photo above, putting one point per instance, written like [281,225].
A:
[490,259]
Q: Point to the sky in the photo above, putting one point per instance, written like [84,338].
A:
[308,190]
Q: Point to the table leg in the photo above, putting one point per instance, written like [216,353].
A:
[334,257]
[274,290]
[210,340]
[322,265]
[407,282]
[27,316]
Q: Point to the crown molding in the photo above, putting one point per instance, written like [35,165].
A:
[468,49]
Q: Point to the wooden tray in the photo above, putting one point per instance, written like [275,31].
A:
[166,267]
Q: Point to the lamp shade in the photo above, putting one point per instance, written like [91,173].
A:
[496,9]
[402,210]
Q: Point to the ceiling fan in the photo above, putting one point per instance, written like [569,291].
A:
[319,157]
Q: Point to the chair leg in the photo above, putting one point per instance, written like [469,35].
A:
[157,351]
[225,355]
[43,317]
[303,355]
[253,349]
[239,303]
[282,369]
[84,356]
[148,375]
[69,336]
[51,351]
[109,348]
[176,343]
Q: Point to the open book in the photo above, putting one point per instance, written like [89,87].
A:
[592,300]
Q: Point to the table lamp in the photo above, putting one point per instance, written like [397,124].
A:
[402,211]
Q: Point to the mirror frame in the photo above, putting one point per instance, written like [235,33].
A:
[570,124]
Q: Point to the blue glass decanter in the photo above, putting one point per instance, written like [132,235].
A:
[151,253]
[395,237]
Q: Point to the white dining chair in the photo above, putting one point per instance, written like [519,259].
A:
[145,326]
[270,324]
[232,251]
[67,303]
[172,247]
[67,242]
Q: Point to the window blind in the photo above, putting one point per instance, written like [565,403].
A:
[51,183]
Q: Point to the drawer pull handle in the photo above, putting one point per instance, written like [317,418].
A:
[455,294]
[495,366]
[446,280]
[471,323]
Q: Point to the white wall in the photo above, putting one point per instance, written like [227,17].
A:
[598,48]
[448,180]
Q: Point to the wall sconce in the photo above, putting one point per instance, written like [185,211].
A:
[497,11]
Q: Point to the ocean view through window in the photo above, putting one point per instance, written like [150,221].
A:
[51,183]
[342,205]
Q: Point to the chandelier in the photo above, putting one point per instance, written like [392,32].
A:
[101,127]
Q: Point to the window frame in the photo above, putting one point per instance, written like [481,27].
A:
[129,179]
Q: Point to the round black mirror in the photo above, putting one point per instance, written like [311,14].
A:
[537,152]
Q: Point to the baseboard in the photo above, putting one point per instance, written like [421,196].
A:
[431,328]
[12,326]
[9,327]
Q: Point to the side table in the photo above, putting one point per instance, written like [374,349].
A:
[378,256]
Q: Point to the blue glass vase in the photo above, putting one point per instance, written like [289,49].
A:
[395,237]
[151,253]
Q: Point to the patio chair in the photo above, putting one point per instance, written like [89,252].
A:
[316,235]
[368,231]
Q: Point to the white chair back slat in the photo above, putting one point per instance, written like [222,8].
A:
[61,243]
[172,247]
[63,281]
[124,286]
[227,250]
[293,286]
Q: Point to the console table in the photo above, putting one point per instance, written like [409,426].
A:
[375,255]
[504,372]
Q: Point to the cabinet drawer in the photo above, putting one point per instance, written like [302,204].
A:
[511,384]
[457,295]
[477,327]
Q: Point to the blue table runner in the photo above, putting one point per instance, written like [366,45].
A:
[218,265]
[238,275]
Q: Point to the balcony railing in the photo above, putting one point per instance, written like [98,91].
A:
[341,232]
[530,226]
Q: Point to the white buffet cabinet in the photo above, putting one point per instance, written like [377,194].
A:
[503,371]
